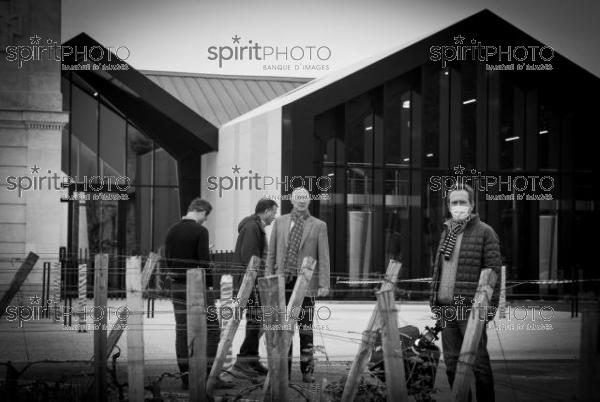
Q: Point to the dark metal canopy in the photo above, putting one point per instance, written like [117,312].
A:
[170,123]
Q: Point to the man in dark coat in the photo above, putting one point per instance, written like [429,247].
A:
[252,240]
[186,247]
[467,246]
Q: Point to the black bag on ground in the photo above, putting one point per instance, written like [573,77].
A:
[421,359]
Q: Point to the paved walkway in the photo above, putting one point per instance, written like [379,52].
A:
[536,363]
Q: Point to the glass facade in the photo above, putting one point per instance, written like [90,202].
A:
[384,146]
[101,141]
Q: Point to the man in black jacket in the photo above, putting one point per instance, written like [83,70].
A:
[252,240]
[186,247]
[467,246]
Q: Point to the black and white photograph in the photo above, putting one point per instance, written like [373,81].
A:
[322,201]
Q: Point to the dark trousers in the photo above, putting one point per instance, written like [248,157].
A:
[452,338]
[178,294]
[249,348]
[305,329]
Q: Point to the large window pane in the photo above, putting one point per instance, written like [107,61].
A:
[84,121]
[360,130]
[511,126]
[470,103]
[112,142]
[165,169]
[329,132]
[139,157]
[548,133]
[397,234]
[143,216]
[397,104]
[360,218]
[165,212]
[432,79]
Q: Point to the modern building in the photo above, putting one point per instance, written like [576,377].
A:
[388,130]
[377,137]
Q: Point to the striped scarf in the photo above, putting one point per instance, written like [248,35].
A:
[454,228]
[290,265]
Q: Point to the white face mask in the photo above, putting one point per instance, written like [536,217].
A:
[459,212]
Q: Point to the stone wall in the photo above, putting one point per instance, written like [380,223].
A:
[31,124]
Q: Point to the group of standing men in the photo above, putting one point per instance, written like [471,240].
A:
[294,236]
[467,246]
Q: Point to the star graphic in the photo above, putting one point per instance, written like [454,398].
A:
[236,39]
[459,299]
[236,169]
[458,40]
[34,299]
[35,169]
[35,40]
[459,169]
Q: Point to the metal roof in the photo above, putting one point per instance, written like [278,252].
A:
[222,98]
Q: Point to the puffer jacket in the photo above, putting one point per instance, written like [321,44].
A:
[479,249]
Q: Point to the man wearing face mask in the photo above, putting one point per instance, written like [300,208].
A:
[467,246]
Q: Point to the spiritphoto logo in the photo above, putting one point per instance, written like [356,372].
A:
[94,187]
[39,309]
[50,50]
[235,311]
[531,317]
[530,57]
[297,57]
[255,181]
[519,187]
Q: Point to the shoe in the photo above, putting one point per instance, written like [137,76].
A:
[308,377]
[246,367]
[184,383]
[259,368]
[220,383]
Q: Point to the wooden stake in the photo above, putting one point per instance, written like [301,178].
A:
[233,324]
[55,296]
[149,266]
[121,323]
[589,355]
[272,294]
[322,393]
[475,327]
[135,330]
[294,305]
[17,281]
[502,296]
[100,299]
[197,333]
[395,381]
[365,349]
[82,299]
[226,301]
